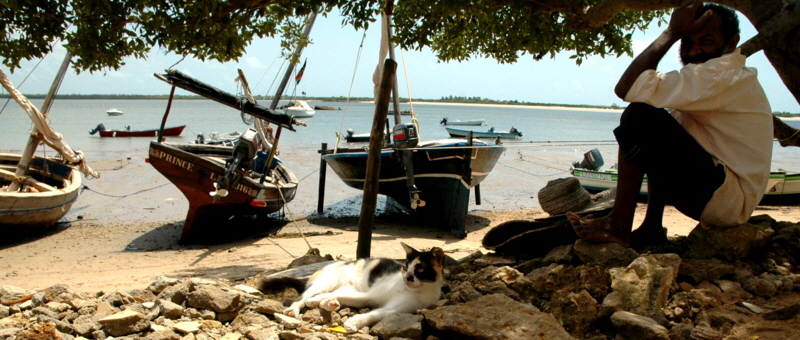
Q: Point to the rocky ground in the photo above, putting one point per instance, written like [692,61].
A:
[737,283]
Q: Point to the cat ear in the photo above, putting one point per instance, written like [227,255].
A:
[438,255]
[408,249]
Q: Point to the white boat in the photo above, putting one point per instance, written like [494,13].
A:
[46,194]
[300,109]
[782,187]
[475,122]
[38,191]
[114,112]
[491,133]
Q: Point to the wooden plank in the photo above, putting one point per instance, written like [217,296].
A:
[9,176]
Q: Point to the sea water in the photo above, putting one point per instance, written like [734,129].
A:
[541,127]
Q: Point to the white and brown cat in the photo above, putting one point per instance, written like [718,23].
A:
[385,285]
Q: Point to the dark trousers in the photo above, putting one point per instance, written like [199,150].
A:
[670,157]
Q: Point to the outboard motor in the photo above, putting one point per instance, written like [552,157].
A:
[99,127]
[405,137]
[243,153]
[201,138]
[592,160]
[444,121]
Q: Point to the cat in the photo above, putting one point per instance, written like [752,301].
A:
[379,283]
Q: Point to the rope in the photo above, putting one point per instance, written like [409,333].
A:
[349,91]
[410,102]
[179,61]
[20,84]
[138,192]
[291,217]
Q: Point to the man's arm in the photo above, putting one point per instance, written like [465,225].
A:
[681,24]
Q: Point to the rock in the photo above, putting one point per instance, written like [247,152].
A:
[785,313]
[399,325]
[262,334]
[729,244]
[634,326]
[4,311]
[733,289]
[162,335]
[753,308]
[247,289]
[84,325]
[213,298]
[124,323]
[142,295]
[699,270]
[576,311]
[594,279]
[704,332]
[187,327]
[644,285]
[41,331]
[169,309]
[563,254]
[288,321]
[604,254]
[477,319]
[269,306]
[247,321]
[161,283]
[175,293]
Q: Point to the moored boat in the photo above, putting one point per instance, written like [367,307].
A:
[226,184]
[114,112]
[491,133]
[475,122]
[300,109]
[170,131]
[46,194]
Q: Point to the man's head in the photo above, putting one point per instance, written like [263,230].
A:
[718,36]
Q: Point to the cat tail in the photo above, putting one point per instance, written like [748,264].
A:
[279,283]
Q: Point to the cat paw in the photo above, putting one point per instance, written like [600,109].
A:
[313,302]
[354,323]
[293,312]
[330,304]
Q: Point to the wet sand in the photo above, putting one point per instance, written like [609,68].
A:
[128,240]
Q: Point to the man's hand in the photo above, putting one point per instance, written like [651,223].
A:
[683,22]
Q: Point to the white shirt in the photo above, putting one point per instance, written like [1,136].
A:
[722,105]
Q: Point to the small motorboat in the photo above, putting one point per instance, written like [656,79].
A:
[171,131]
[114,112]
[352,137]
[476,122]
[511,134]
[300,109]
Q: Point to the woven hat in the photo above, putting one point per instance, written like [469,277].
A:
[566,194]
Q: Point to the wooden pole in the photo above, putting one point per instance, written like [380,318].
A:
[370,199]
[322,169]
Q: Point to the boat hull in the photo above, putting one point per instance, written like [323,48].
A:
[480,134]
[42,208]
[782,188]
[439,173]
[195,168]
[172,131]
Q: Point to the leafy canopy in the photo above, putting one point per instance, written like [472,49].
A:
[100,33]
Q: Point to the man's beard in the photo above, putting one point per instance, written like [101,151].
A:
[686,59]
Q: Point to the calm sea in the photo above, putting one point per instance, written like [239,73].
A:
[74,119]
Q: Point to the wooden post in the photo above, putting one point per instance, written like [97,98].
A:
[370,199]
[477,194]
[322,169]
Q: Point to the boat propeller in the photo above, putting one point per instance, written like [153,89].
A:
[218,193]
[416,202]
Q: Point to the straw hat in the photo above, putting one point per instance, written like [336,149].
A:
[566,194]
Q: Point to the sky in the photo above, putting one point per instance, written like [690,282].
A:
[336,66]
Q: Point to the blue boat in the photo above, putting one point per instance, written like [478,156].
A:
[444,172]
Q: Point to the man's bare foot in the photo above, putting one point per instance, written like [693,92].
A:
[599,230]
[648,234]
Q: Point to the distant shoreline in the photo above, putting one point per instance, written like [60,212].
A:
[490,103]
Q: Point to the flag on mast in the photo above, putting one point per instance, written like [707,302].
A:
[300,73]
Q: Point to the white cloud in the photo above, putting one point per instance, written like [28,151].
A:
[576,84]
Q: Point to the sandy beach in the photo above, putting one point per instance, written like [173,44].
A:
[124,229]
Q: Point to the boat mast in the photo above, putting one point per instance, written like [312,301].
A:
[33,140]
[281,87]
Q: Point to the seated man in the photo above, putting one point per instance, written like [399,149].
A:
[710,156]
